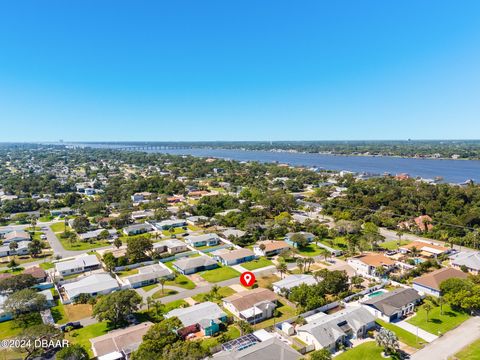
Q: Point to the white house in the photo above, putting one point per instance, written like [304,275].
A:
[367,264]
[172,246]
[95,284]
[203,240]
[22,249]
[291,281]
[17,236]
[252,305]
[270,247]
[148,275]
[77,265]
[393,305]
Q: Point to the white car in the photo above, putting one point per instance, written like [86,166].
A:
[43,237]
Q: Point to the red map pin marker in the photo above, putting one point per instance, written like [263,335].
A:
[247,279]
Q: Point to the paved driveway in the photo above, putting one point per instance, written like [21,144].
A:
[452,342]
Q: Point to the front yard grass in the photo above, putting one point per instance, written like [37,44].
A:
[58,227]
[257,264]
[469,352]
[127,272]
[149,287]
[310,250]
[266,281]
[403,335]
[46,265]
[222,292]
[368,350]
[181,281]
[437,323]
[219,274]
[166,292]
[80,245]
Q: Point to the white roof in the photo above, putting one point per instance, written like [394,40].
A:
[295,280]
[196,313]
[112,356]
[203,237]
[79,262]
[91,284]
[263,334]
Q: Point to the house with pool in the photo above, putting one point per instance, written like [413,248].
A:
[393,305]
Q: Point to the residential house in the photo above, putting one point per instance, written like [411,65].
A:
[233,232]
[423,223]
[270,247]
[291,281]
[233,257]
[169,224]
[196,194]
[205,317]
[197,220]
[193,265]
[425,249]
[393,305]
[148,275]
[330,331]
[172,246]
[119,344]
[203,240]
[137,229]
[95,234]
[22,249]
[367,264]
[95,284]
[252,305]
[16,236]
[77,265]
[142,214]
[61,212]
[37,272]
[226,212]
[270,349]
[467,260]
[4,315]
[140,197]
[288,238]
[429,284]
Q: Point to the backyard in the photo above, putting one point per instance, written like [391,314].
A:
[285,312]
[438,323]
[219,274]
[222,292]
[82,336]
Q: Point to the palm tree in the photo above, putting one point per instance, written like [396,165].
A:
[308,262]
[13,246]
[214,291]
[162,282]
[414,251]
[380,271]
[325,253]
[150,301]
[399,234]
[301,263]
[282,269]
[427,307]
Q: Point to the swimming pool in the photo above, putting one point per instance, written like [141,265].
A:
[375,293]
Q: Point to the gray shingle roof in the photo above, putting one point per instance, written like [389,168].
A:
[271,349]
[201,313]
[190,263]
[391,302]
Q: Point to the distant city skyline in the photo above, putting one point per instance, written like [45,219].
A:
[222,71]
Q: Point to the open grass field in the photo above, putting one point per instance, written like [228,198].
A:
[393,244]
[58,227]
[219,274]
[81,245]
[175,305]
[368,350]
[438,323]
[222,292]
[181,281]
[257,264]
[404,336]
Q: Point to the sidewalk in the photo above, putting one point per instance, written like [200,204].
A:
[416,331]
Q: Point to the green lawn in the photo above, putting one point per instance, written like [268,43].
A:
[257,264]
[81,245]
[127,272]
[9,329]
[46,265]
[176,231]
[393,244]
[220,274]
[82,336]
[59,314]
[339,243]
[285,312]
[368,350]
[223,292]
[166,292]
[58,227]
[231,334]
[181,281]
[149,287]
[404,336]
[438,323]
[470,352]
[175,305]
[310,250]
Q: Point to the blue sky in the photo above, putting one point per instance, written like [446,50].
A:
[239,70]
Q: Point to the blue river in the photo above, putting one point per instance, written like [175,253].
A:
[452,171]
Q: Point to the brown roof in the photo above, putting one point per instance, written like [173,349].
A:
[435,278]
[375,259]
[123,339]
[247,299]
[271,245]
[424,222]
[36,272]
